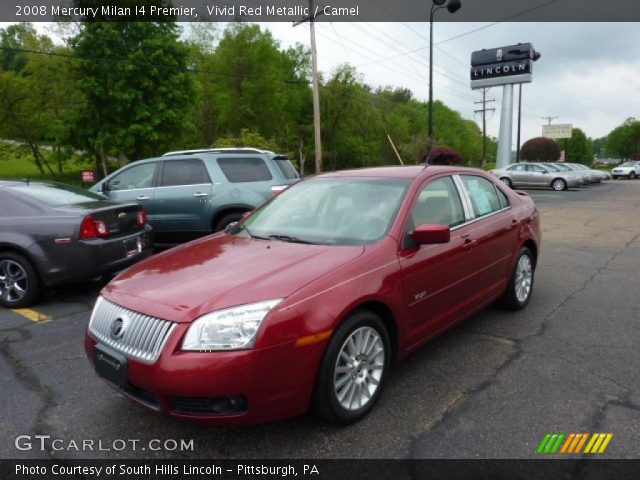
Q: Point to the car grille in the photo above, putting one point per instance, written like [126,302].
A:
[135,335]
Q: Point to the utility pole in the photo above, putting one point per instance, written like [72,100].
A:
[484,111]
[315,85]
[549,118]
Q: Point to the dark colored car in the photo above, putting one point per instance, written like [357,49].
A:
[52,234]
[196,192]
[308,301]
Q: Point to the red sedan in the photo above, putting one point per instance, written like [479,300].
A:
[307,302]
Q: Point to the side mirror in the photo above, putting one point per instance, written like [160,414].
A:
[105,187]
[429,234]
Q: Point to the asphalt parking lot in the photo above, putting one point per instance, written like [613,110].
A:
[491,388]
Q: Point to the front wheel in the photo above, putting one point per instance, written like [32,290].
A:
[632,176]
[353,370]
[507,182]
[520,285]
[19,281]
[559,185]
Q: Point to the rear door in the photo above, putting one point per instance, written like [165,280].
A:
[183,197]
[438,281]
[494,230]
[136,183]
[518,174]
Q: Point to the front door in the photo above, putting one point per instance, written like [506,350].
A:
[135,184]
[439,281]
[183,197]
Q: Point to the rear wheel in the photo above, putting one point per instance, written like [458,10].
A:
[507,182]
[632,175]
[520,285]
[228,219]
[559,185]
[353,370]
[19,282]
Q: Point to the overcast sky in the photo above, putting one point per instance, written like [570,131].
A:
[589,73]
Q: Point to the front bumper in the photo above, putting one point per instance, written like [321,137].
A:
[273,383]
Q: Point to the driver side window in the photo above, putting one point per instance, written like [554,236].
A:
[439,202]
[139,176]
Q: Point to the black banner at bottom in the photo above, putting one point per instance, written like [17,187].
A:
[319,469]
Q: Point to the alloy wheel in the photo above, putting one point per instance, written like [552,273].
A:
[559,185]
[13,281]
[524,277]
[359,368]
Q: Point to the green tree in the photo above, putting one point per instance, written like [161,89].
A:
[137,88]
[624,140]
[578,148]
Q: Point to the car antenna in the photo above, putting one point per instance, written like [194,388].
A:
[427,160]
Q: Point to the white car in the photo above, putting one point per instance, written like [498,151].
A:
[630,170]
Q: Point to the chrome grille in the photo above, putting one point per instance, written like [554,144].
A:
[138,336]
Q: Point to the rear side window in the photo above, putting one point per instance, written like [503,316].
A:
[483,194]
[184,172]
[248,169]
[55,194]
[285,167]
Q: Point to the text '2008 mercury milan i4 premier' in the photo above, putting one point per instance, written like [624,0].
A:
[307,302]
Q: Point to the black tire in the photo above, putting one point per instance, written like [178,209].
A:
[559,184]
[31,285]
[325,402]
[507,181]
[614,177]
[226,220]
[632,176]
[510,299]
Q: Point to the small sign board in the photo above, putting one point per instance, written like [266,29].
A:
[88,176]
[557,131]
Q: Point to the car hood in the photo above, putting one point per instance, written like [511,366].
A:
[221,271]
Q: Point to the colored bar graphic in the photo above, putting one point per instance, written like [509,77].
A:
[572,443]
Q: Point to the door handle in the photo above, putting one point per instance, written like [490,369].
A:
[200,194]
[469,243]
[142,197]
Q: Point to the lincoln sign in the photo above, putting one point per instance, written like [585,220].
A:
[502,66]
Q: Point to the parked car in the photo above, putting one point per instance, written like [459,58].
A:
[603,175]
[525,174]
[52,234]
[308,300]
[593,176]
[631,170]
[584,177]
[196,192]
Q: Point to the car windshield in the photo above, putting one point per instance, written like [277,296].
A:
[562,167]
[553,168]
[629,164]
[332,211]
[55,194]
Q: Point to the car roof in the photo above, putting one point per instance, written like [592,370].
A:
[12,183]
[411,171]
[218,150]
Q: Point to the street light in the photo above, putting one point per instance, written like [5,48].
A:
[453,6]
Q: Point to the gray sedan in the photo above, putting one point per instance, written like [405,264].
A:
[525,174]
[51,234]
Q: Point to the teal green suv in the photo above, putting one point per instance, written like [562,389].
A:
[196,192]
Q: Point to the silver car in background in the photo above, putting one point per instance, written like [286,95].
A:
[583,177]
[594,177]
[526,174]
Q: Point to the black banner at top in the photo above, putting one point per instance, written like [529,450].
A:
[321,10]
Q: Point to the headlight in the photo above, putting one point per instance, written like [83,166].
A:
[230,329]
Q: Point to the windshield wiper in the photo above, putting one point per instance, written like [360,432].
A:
[290,239]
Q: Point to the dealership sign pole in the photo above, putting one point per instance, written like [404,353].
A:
[504,66]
